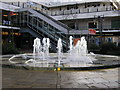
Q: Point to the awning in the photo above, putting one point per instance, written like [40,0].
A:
[9,27]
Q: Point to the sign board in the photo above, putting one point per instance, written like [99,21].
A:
[92,31]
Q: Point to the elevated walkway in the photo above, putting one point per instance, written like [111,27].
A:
[58,25]
[116,4]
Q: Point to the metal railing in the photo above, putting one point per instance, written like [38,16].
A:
[79,11]
[104,27]
[38,7]
[49,33]
[42,29]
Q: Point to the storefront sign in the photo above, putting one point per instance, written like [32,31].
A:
[92,31]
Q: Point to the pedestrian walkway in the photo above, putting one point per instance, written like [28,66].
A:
[17,78]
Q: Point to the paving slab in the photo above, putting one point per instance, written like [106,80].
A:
[97,85]
[112,84]
[17,78]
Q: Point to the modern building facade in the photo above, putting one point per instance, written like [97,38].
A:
[9,31]
[101,15]
[27,20]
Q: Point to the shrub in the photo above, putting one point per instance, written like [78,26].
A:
[9,49]
[93,47]
[109,48]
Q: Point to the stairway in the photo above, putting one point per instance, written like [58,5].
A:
[45,26]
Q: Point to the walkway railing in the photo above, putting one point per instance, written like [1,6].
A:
[78,11]
[38,23]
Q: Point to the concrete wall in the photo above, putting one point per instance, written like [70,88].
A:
[82,24]
[107,23]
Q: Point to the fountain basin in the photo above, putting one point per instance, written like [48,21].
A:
[51,63]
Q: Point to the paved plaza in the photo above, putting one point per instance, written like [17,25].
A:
[18,78]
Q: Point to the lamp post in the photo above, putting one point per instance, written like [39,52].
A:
[100,26]
[67,40]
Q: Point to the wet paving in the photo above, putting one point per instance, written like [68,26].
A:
[21,78]
[18,78]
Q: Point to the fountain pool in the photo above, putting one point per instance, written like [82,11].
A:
[77,55]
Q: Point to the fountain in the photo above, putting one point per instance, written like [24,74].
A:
[40,53]
[59,47]
[78,55]
[37,48]
[71,44]
[44,47]
[47,47]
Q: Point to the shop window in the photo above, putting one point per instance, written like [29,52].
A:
[92,25]
[109,39]
[115,24]
[71,25]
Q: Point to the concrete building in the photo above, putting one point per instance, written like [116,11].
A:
[82,16]
[98,20]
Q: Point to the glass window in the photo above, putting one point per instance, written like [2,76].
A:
[92,25]
[71,25]
[115,24]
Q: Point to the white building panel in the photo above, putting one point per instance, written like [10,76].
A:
[5,6]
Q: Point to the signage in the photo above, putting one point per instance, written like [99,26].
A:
[92,31]
[12,14]
[6,22]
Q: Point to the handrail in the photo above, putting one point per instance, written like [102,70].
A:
[49,33]
[48,28]
[53,43]
[78,11]
[54,20]
[35,26]
[50,20]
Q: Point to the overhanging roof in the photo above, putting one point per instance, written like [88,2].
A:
[9,27]
[8,7]
[57,4]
